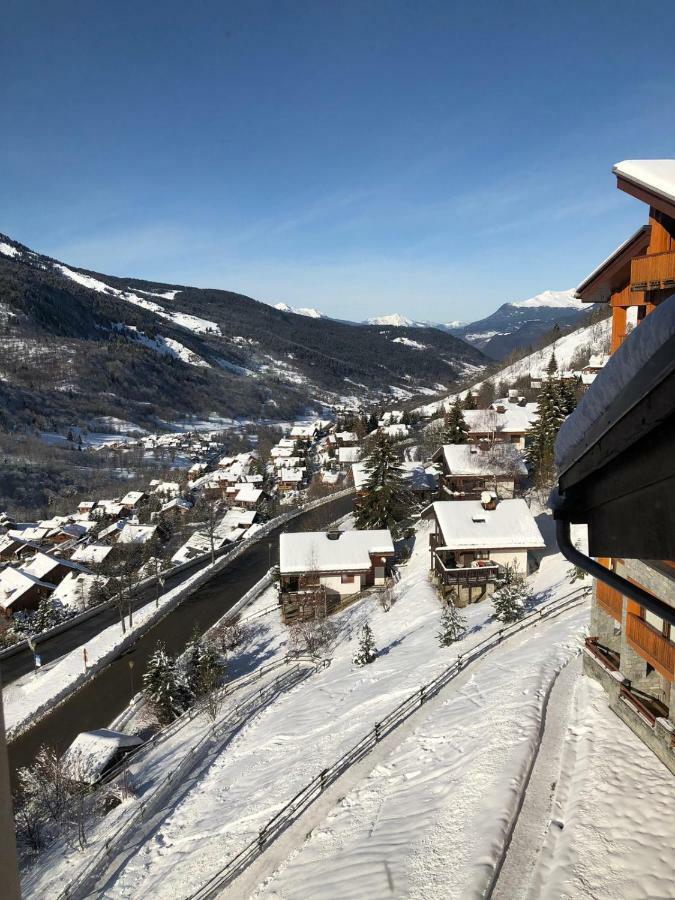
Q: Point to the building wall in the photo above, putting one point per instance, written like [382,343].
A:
[334,584]
[507,557]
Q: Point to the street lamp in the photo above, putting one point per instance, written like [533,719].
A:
[131,677]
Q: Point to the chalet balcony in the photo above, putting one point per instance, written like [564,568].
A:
[651,645]
[653,273]
[465,576]
[609,600]
[609,659]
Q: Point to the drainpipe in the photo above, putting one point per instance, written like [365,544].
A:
[627,588]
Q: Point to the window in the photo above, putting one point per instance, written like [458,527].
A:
[347,579]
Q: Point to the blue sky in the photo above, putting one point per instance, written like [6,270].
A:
[430,158]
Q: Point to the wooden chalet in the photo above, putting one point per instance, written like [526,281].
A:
[616,461]
[319,570]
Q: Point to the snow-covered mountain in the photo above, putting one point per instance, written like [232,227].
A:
[553,299]
[308,311]
[397,320]
[522,323]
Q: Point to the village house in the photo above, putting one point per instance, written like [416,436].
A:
[467,470]
[85,507]
[248,496]
[91,554]
[51,569]
[473,541]
[322,569]
[616,461]
[136,534]
[421,481]
[290,479]
[133,499]
[503,422]
[346,456]
[346,438]
[21,591]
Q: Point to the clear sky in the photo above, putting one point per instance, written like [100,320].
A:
[430,158]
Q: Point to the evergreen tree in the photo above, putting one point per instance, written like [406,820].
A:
[385,502]
[367,651]
[512,597]
[469,401]
[163,687]
[552,366]
[455,429]
[201,667]
[551,412]
[49,613]
[371,424]
[452,625]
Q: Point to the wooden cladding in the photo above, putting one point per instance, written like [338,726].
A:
[651,645]
[610,600]
[653,273]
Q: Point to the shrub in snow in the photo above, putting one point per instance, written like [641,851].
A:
[312,636]
[201,667]
[49,613]
[163,687]
[512,597]
[453,625]
[367,651]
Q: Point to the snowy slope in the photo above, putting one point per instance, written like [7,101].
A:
[555,299]
[596,337]
[308,311]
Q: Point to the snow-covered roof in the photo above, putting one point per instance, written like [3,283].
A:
[468,459]
[132,498]
[289,476]
[91,554]
[43,564]
[235,517]
[317,551]
[654,175]
[641,232]
[514,420]
[593,415]
[248,493]
[347,437]
[92,751]
[349,454]
[465,525]
[14,583]
[418,477]
[137,534]
[75,588]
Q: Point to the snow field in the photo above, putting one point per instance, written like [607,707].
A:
[619,829]
[301,733]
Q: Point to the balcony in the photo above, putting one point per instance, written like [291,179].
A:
[609,600]
[608,659]
[651,645]
[653,273]
[464,576]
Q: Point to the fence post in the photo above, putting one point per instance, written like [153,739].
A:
[261,839]
[322,776]
[377,731]
[422,695]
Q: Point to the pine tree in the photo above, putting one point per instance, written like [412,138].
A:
[452,625]
[49,613]
[455,429]
[512,597]
[201,667]
[552,366]
[551,412]
[385,501]
[469,401]
[163,686]
[367,652]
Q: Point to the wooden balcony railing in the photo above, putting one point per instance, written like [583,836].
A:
[652,273]
[651,645]
[608,658]
[465,575]
[637,704]
[610,600]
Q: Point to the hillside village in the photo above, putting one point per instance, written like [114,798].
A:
[471,536]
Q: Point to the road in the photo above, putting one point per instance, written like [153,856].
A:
[105,696]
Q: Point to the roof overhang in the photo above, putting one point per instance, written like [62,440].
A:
[643,190]
[619,479]
[614,272]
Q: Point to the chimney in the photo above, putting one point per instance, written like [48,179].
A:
[488,500]
[513,396]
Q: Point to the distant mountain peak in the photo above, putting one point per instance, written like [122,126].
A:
[553,299]
[307,311]
[394,319]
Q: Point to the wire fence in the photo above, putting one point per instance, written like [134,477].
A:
[314,788]
[152,804]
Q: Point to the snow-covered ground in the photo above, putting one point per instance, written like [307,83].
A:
[305,730]
[596,337]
